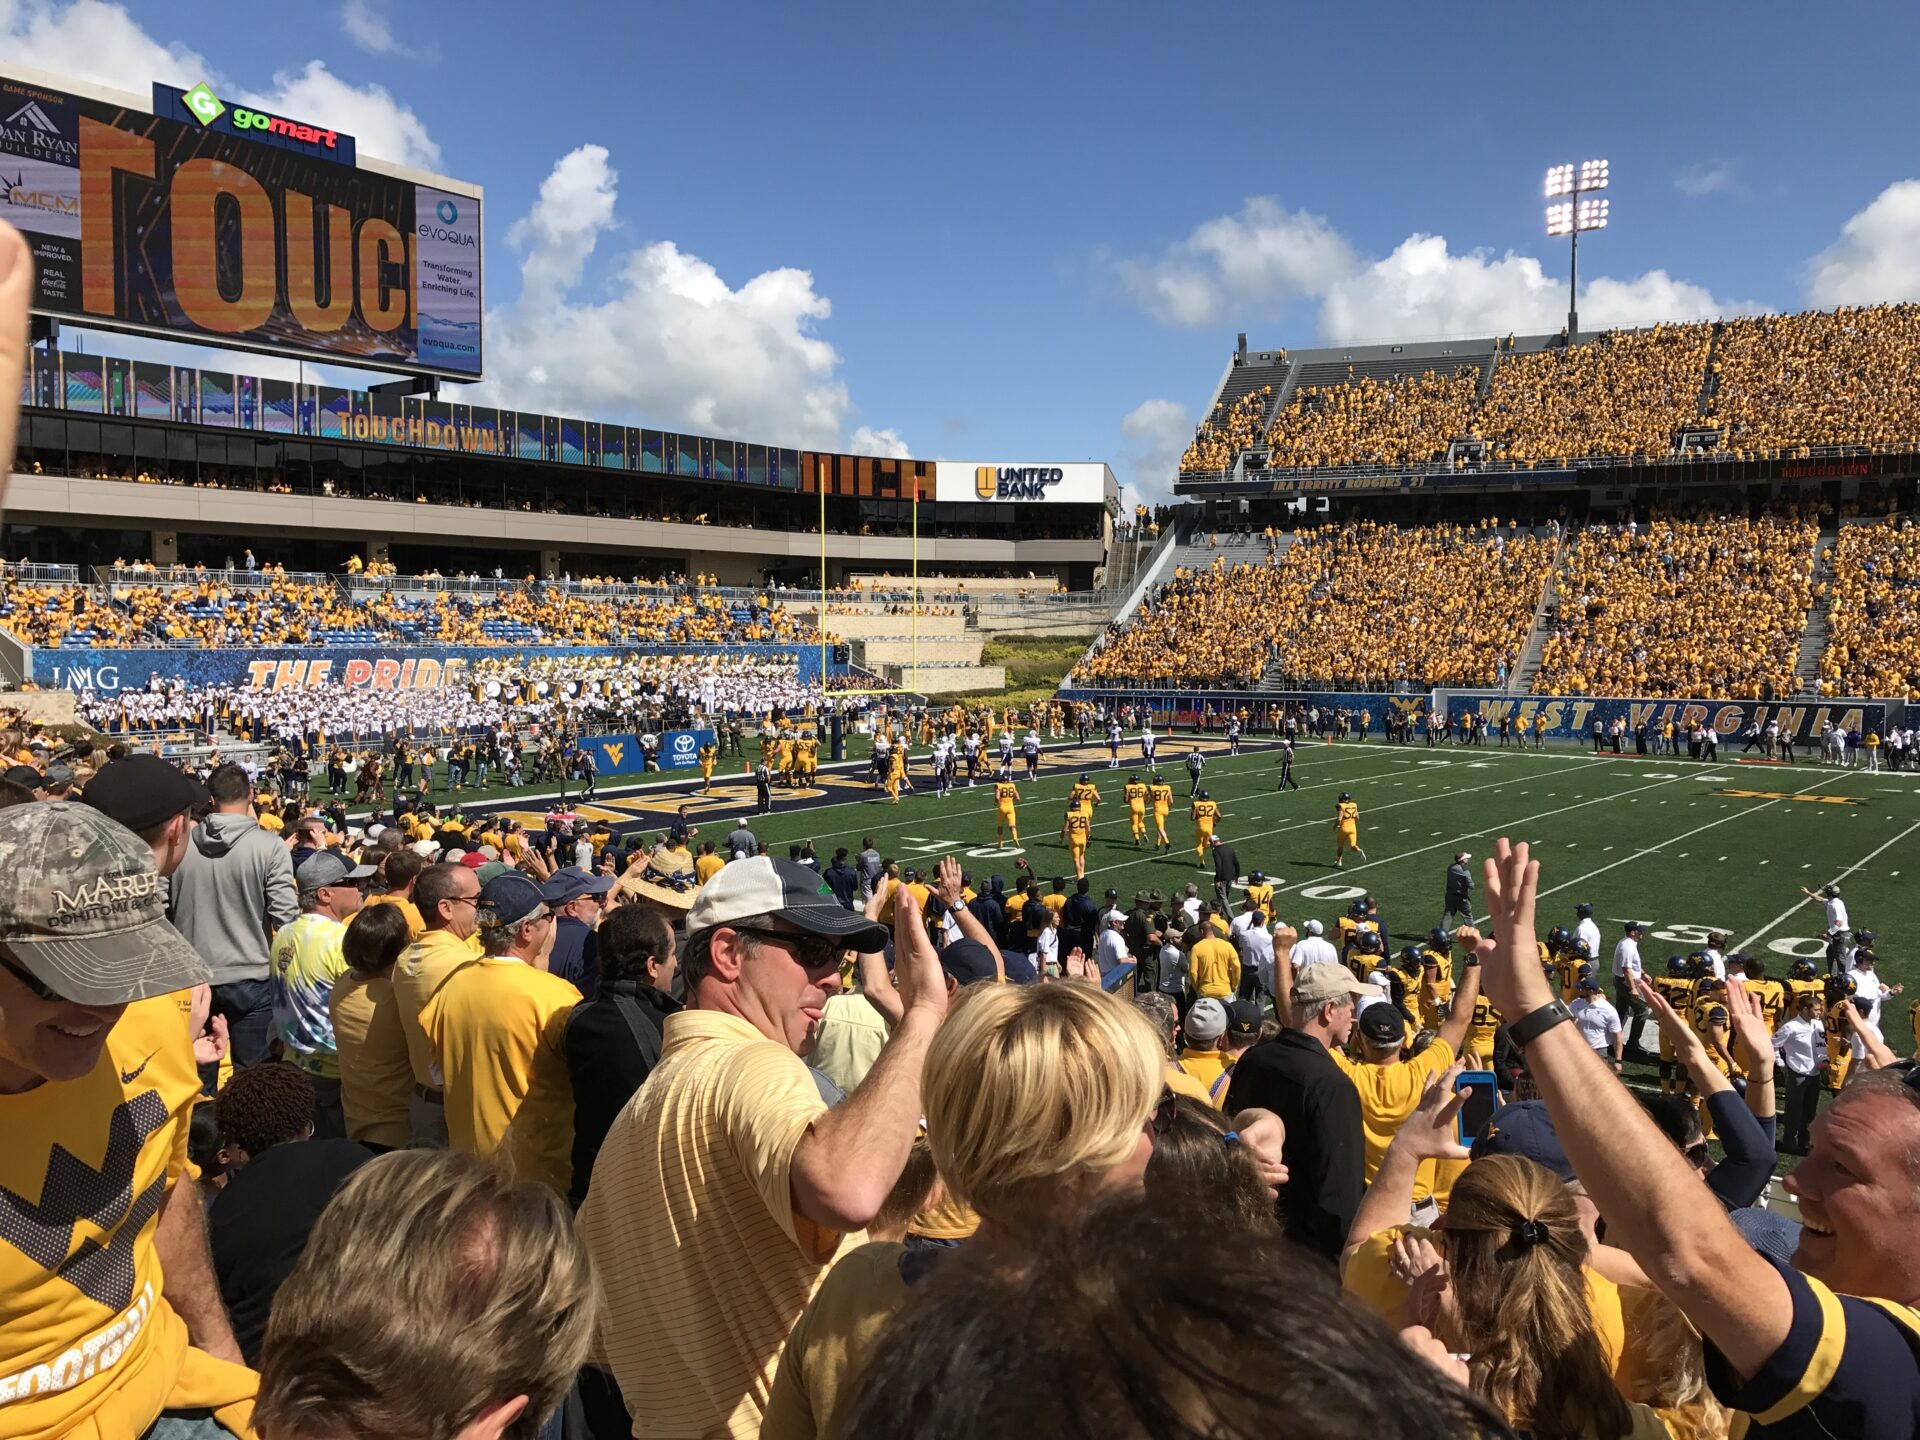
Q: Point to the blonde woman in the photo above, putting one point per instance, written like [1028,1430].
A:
[1038,1100]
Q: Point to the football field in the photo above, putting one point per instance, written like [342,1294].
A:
[1684,847]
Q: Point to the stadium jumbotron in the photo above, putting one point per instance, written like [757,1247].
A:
[752,921]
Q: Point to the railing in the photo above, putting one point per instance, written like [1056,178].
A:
[38,574]
[1256,473]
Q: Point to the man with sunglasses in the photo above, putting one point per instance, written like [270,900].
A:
[302,963]
[447,896]
[727,1187]
[109,1311]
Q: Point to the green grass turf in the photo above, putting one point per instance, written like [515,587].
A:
[1657,839]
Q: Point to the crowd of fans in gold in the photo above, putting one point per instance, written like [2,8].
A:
[1460,601]
[1842,377]
[1781,384]
[208,610]
[1230,429]
[1707,606]
[1873,616]
[1624,393]
[1404,421]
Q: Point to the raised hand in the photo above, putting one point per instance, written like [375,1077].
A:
[947,882]
[1747,1018]
[1510,969]
[916,963]
[1684,1039]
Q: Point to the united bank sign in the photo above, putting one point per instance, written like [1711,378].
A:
[1080,483]
[1015,482]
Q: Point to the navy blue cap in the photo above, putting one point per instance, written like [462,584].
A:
[968,961]
[1525,1129]
[509,899]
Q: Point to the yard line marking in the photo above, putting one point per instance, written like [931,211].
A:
[1661,845]
[1789,912]
[1327,820]
[1494,829]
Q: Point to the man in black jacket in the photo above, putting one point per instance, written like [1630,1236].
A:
[842,879]
[1294,1076]
[1079,920]
[1226,874]
[612,1042]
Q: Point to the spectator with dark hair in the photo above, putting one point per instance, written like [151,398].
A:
[1079,1343]
[279,1179]
[401,869]
[437,1298]
[376,1082]
[1200,1167]
[233,892]
[612,1042]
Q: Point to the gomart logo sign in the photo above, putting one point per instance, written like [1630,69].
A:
[1015,482]
[206,107]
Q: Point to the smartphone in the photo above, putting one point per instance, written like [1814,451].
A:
[1482,1090]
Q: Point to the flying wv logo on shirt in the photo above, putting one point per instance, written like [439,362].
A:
[74,1191]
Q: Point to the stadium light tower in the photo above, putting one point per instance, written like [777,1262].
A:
[1571,215]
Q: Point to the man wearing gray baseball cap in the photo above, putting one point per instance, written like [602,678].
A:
[726,1187]
[303,962]
[106,1251]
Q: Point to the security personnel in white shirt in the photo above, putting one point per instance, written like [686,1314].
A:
[1627,970]
[1586,930]
[1713,954]
[1598,1021]
[1313,948]
[1829,895]
[1800,1045]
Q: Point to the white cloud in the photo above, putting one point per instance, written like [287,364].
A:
[1260,257]
[886,444]
[1422,289]
[94,40]
[1877,256]
[1241,266]
[1698,181]
[1154,434]
[380,125]
[670,340]
[368,28]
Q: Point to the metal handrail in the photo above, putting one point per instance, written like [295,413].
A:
[1522,467]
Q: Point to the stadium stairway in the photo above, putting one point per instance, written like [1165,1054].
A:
[1813,640]
[1520,678]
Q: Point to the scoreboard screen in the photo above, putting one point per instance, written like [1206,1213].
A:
[255,232]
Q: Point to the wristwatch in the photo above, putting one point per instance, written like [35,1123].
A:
[1535,1023]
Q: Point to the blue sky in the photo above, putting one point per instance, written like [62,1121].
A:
[1031,232]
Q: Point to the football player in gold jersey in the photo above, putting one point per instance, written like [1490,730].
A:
[1135,794]
[1160,794]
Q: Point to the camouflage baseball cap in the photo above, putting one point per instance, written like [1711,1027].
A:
[82,908]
